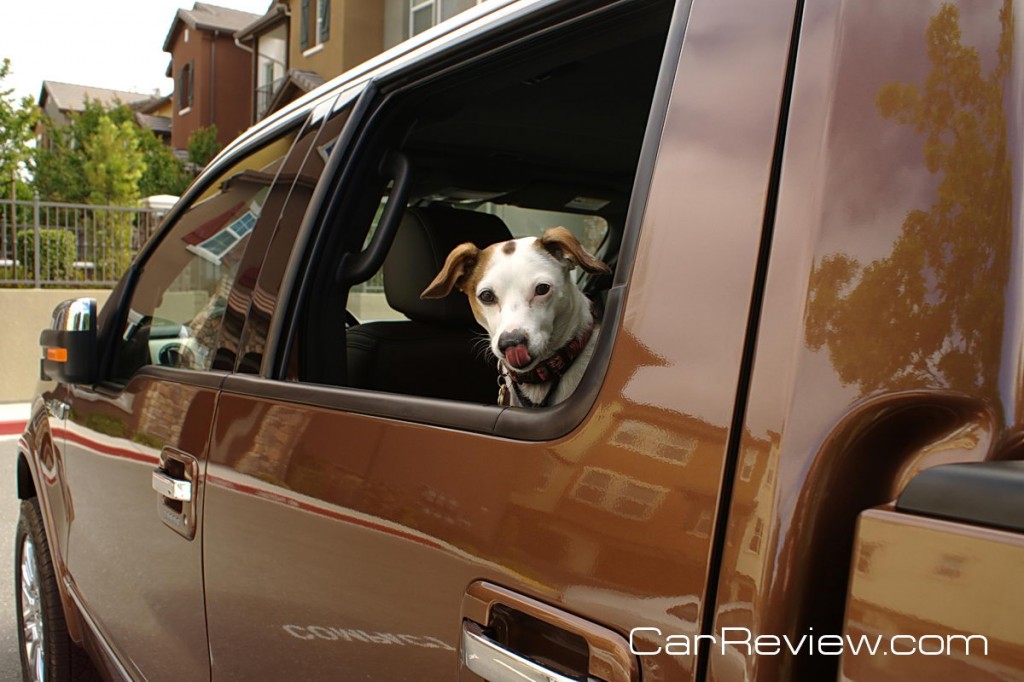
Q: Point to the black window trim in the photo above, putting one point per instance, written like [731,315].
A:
[517,423]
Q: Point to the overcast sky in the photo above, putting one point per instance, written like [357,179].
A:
[106,43]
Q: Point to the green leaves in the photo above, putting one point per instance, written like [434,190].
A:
[17,130]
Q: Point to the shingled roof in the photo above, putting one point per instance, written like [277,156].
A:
[208,17]
[71,97]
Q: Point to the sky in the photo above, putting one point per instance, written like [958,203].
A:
[104,43]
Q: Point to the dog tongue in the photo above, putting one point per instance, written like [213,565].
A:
[517,356]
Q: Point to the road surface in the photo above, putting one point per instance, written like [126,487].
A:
[10,666]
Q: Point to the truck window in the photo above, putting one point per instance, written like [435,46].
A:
[543,133]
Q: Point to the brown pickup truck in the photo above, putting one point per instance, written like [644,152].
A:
[794,455]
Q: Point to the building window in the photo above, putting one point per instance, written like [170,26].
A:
[184,86]
[749,462]
[315,29]
[424,14]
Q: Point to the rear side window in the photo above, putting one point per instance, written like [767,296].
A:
[177,308]
[546,132]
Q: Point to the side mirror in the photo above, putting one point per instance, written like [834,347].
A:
[69,345]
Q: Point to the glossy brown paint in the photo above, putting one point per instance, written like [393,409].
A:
[45,475]
[358,531]
[920,578]
[890,337]
[138,581]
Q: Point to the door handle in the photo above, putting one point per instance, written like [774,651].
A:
[495,663]
[171,488]
[177,483]
[509,637]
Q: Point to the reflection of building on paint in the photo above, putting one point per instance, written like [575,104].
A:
[648,440]
[618,493]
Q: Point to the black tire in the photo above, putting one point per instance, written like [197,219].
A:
[59,659]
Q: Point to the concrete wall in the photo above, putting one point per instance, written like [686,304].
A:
[25,313]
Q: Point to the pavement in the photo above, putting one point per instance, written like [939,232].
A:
[10,664]
[12,422]
[13,417]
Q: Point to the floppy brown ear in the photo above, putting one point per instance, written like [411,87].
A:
[460,262]
[562,244]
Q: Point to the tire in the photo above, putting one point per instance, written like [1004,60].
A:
[47,652]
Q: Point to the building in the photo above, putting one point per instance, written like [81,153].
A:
[60,101]
[211,72]
[299,44]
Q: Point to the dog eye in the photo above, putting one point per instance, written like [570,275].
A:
[487,297]
[542,289]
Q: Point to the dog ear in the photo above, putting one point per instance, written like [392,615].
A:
[460,262]
[563,245]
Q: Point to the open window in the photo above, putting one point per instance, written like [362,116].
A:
[506,142]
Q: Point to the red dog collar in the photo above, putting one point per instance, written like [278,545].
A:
[557,364]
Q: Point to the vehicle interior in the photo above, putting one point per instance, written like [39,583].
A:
[507,143]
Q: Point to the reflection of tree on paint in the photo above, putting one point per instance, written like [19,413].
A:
[931,313]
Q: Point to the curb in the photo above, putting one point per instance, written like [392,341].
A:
[13,418]
[12,428]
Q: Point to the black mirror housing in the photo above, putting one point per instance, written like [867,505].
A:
[69,345]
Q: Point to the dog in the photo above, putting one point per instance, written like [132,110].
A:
[541,327]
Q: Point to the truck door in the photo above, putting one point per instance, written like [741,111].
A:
[136,444]
[378,531]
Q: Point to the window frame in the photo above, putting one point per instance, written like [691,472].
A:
[436,8]
[516,423]
[114,314]
[186,87]
[314,25]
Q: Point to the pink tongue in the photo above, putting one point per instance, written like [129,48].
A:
[517,356]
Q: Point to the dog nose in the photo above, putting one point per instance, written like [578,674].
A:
[508,339]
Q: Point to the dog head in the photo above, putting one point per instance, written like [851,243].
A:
[521,291]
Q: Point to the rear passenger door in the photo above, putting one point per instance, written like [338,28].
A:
[135,544]
[362,534]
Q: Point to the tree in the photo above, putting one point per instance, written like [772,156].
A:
[113,165]
[165,173]
[203,145]
[938,298]
[60,165]
[17,131]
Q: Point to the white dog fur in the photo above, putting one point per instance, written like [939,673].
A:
[522,292]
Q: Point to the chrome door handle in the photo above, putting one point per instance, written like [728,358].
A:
[171,488]
[493,662]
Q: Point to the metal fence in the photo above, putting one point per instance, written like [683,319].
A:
[78,245]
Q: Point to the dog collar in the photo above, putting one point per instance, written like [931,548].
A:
[556,365]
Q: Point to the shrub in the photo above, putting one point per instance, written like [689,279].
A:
[57,253]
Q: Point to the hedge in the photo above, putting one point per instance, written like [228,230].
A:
[58,250]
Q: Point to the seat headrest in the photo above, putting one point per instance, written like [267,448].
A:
[424,239]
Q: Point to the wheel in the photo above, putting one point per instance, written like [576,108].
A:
[47,652]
